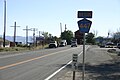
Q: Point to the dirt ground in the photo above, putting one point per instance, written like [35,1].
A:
[106,70]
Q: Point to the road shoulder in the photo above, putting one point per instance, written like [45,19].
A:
[100,66]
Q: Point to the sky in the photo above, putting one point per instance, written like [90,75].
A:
[46,16]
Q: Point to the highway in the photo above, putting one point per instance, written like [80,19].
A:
[36,65]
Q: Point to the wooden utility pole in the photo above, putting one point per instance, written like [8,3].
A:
[4,23]
[65,27]
[27,34]
[39,33]
[14,31]
[34,29]
[61,27]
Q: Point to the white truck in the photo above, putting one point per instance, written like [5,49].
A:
[63,43]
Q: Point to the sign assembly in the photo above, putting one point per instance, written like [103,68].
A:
[84,25]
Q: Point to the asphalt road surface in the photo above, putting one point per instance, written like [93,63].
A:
[36,65]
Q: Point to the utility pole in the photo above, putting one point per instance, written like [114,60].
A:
[39,33]
[61,27]
[65,32]
[27,34]
[34,29]
[4,23]
[65,27]
[14,31]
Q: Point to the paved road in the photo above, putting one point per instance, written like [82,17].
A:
[35,65]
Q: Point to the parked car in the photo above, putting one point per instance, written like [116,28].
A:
[102,45]
[53,44]
[109,45]
[74,43]
[118,45]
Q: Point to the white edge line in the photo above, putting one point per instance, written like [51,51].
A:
[49,77]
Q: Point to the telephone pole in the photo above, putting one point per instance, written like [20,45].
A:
[34,29]
[14,31]
[61,27]
[4,23]
[27,34]
[65,27]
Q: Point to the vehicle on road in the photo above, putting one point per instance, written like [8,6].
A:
[53,44]
[118,45]
[73,43]
[109,45]
[102,45]
[63,43]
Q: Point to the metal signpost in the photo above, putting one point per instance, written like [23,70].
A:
[84,27]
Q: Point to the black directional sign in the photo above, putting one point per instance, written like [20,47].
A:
[75,62]
[75,58]
[84,25]
[84,14]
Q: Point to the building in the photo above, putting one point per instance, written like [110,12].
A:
[79,37]
[7,43]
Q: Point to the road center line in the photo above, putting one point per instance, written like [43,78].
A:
[15,64]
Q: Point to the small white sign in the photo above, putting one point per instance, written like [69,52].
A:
[75,62]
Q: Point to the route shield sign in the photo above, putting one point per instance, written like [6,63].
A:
[84,25]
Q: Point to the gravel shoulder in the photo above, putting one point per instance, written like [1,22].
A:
[100,65]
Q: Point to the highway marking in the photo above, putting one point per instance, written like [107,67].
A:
[15,64]
[60,69]
[49,77]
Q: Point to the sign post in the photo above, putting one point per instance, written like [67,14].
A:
[84,27]
[74,64]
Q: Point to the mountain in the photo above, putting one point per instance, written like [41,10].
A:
[18,39]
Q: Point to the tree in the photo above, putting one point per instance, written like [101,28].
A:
[45,34]
[116,37]
[67,35]
[90,38]
[95,32]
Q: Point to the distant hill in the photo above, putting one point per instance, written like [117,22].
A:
[18,39]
